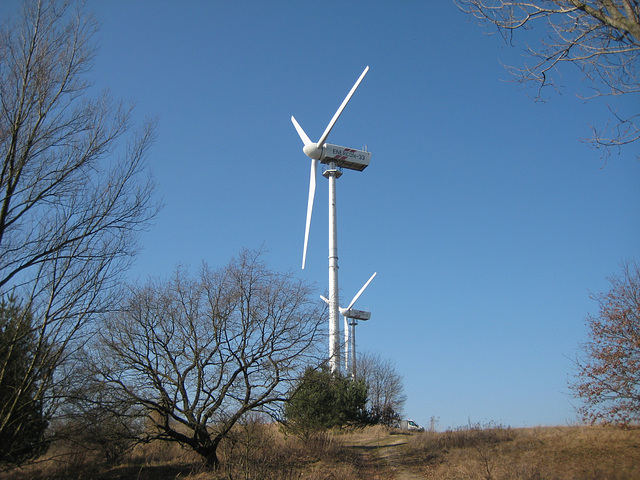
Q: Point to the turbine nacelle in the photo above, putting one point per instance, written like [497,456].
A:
[355,314]
[352,312]
[343,157]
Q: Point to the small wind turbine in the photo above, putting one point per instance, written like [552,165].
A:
[336,157]
[351,317]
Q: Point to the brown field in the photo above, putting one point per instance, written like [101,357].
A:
[586,453]
[264,452]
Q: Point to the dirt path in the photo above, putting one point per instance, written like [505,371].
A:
[384,454]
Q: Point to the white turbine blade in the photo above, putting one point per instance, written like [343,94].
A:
[324,299]
[303,136]
[361,290]
[312,192]
[333,121]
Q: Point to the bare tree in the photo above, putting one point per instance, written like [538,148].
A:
[386,391]
[601,37]
[608,374]
[198,353]
[73,188]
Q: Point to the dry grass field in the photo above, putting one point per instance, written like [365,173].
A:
[263,452]
[553,453]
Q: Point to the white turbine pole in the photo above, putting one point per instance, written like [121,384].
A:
[352,347]
[347,357]
[335,364]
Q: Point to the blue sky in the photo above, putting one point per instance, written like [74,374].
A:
[487,220]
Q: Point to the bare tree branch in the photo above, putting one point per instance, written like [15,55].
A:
[73,189]
[601,37]
[386,390]
[199,353]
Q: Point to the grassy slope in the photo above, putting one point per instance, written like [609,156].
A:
[534,453]
[550,453]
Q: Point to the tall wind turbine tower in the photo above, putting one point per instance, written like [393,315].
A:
[336,157]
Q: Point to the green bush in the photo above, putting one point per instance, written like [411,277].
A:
[322,400]
[22,425]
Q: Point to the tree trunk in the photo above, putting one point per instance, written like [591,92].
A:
[209,454]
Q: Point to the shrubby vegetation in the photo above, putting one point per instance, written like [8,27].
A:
[21,413]
[322,400]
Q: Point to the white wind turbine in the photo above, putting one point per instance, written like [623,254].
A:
[351,317]
[336,157]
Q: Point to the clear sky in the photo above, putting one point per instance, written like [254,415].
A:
[488,221]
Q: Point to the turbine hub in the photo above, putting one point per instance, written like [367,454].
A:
[312,151]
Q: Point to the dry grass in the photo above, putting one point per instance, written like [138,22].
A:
[257,451]
[551,453]
[158,460]
[253,451]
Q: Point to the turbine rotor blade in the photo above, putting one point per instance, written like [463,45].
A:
[312,192]
[361,290]
[303,136]
[333,121]
[324,299]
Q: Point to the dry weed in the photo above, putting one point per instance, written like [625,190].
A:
[552,453]
[262,451]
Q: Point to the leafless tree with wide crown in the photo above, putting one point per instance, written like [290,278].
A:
[199,353]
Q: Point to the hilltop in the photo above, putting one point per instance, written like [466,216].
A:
[487,453]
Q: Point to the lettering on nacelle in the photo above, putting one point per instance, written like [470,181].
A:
[348,153]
